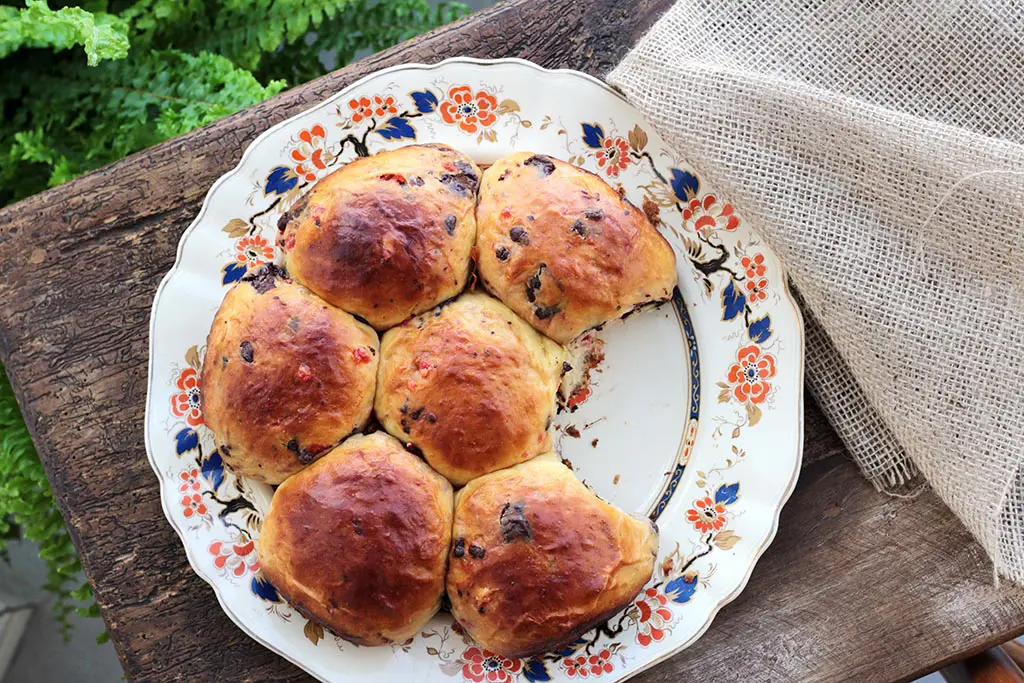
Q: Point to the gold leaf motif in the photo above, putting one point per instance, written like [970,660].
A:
[735,432]
[192,357]
[700,482]
[236,227]
[561,131]
[753,414]
[432,651]
[723,396]
[491,136]
[507,107]
[693,249]
[637,138]
[660,194]
[313,632]
[726,539]
[526,124]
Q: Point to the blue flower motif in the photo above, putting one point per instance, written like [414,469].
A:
[233,272]
[681,589]
[727,493]
[280,180]
[213,470]
[425,100]
[264,589]
[760,330]
[593,135]
[684,185]
[733,301]
[536,671]
[186,440]
[396,128]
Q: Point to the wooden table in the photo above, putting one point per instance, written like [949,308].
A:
[857,586]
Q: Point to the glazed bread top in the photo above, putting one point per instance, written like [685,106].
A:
[286,376]
[560,247]
[538,559]
[469,384]
[358,541]
[386,236]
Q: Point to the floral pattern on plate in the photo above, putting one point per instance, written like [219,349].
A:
[708,402]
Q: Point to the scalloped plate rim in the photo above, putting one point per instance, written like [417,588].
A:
[222,179]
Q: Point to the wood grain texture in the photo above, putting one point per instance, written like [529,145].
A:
[857,586]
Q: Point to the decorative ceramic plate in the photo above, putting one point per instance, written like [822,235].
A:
[692,413]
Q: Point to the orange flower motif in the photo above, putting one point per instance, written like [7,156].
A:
[186,403]
[583,666]
[253,251]
[706,515]
[750,373]
[311,152]
[754,265]
[193,505]
[468,109]
[483,665]
[705,215]
[361,109]
[755,289]
[237,556]
[382,106]
[190,481]
[655,616]
[614,156]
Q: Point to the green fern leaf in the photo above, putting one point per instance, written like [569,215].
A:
[104,36]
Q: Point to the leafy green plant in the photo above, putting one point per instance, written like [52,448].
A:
[86,83]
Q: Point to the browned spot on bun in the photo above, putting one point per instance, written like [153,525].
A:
[387,236]
[359,540]
[652,211]
[556,559]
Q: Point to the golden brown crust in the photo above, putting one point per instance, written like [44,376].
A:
[387,236]
[538,559]
[359,541]
[286,376]
[471,385]
[563,250]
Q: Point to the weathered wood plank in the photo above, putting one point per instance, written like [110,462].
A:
[856,587]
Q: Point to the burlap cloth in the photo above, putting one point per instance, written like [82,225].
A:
[878,146]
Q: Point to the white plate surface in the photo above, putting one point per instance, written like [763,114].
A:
[694,415]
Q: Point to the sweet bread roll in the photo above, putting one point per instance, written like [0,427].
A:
[286,376]
[560,247]
[469,384]
[386,236]
[358,541]
[538,559]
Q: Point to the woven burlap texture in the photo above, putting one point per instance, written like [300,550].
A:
[879,148]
